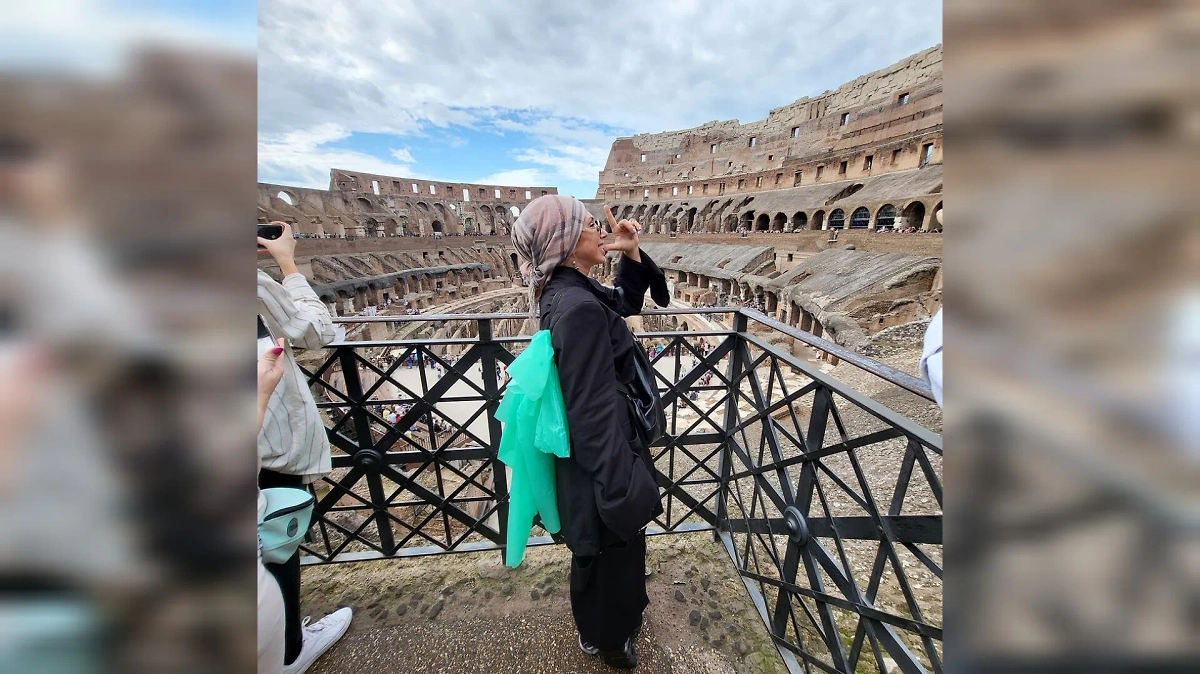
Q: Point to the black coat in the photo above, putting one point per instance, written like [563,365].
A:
[606,488]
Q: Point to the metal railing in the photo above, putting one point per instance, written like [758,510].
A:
[828,502]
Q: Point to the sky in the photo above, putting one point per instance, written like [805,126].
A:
[94,37]
[524,92]
[529,92]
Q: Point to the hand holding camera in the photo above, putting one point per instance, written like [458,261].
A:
[277,239]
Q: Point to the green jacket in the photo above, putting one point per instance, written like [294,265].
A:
[535,431]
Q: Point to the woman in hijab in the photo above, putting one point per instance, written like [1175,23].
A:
[607,492]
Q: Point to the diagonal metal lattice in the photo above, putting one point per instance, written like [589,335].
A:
[827,501]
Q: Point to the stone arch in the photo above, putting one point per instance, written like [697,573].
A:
[639,212]
[691,219]
[818,220]
[860,218]
[885,217]
[762,223]
[445,217]
[746,221]
[516,213]
[837,219]
[287,197]
[438,227]
[487,221]
[625,213]
[799,221]
[913,215]
[778,222]
[364,204]
[730,223]
[937,217]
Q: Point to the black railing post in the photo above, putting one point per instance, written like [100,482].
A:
[732,372]
[364,440]
[491,387]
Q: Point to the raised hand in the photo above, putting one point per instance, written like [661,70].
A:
[625,236]
[282,249]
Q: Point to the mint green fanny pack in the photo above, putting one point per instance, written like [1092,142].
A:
[282,528]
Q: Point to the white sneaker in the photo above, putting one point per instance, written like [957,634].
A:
[318,637]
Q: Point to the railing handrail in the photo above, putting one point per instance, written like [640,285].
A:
[473,505]
[881,370]
[886,372]
[413,318]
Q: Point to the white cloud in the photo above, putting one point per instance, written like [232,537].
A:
[571,75]
[524,177]
[303,158]
[571,163]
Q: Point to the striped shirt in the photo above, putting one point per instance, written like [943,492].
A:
[292,439]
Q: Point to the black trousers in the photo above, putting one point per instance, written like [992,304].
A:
[287,575]
[608,592]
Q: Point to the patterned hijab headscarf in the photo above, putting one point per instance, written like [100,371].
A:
[544,235]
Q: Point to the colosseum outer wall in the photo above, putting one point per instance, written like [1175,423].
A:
[363,205]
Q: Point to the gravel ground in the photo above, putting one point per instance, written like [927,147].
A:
[468,613]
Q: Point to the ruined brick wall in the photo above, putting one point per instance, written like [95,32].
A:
[813,135]
[925,244]
[307,247]
[365,205]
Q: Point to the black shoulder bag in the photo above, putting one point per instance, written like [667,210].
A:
[645,407]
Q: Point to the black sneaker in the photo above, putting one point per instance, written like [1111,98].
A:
[622,659]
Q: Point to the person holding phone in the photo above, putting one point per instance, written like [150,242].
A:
[292,443]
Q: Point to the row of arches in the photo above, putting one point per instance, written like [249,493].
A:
[700,289]
[658,219]
[375,216]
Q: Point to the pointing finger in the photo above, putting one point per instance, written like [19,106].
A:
[612,222]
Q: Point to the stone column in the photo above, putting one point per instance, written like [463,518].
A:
[927,222]
[873,224]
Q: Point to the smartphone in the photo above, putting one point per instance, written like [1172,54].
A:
[270,231]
